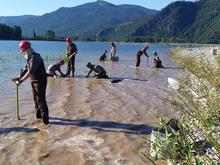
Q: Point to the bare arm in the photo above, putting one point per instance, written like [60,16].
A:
[61,73]
[145,53]
[19,80]
[72,55]
[89,73]
[26,76]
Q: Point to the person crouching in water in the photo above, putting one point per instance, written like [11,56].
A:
[99,71]
[37,73]
[157,61]
[55,67]
[103,57]
[70,53]
[140,53]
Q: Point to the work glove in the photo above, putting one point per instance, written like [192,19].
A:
[18,82]
[15,79]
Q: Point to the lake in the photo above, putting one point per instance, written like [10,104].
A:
[91,121]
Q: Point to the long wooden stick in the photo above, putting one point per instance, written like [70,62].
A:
[17,110]
[147,61]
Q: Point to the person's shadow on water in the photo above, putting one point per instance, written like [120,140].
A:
[18,129]
[173,67]
[106,126]
[116,79]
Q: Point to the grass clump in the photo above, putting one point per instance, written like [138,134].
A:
[194,138]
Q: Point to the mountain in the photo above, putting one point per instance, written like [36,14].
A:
[182,21]
[167,23]
[206,27]
[14,20]
[89,18]
[121,32]
[170,21]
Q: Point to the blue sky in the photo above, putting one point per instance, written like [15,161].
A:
[39,7]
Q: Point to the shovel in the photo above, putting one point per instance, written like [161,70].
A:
[147,61]
[17,101]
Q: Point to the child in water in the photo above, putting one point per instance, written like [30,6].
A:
[157,61]
[103,57]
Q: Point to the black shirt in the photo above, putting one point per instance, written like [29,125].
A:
[36,66]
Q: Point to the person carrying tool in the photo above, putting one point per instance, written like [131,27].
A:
[140,53]
[70,53]
[35,70]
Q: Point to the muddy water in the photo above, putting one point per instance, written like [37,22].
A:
[92,122]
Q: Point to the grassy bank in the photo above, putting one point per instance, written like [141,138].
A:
[194,137]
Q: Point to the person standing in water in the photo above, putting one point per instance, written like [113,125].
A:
[113,50]
[35,69]
[70,53]
[140,53]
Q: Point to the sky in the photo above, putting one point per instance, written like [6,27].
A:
[40,7]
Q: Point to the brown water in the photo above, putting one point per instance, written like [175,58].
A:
[92,122]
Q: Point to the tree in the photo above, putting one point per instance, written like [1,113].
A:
[50,35]
[11,33]
[34,34]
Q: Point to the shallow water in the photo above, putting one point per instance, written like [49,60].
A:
[91,121]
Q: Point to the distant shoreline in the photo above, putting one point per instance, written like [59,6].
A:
[63,40]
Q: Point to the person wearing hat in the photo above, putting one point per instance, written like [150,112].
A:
[70,53]
[99,70]
[157,61]
[56,67]
[35,69]
[140,53]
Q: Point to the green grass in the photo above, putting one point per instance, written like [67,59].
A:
[199,101]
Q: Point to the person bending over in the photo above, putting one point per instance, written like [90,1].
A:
[99,71]
[55,67]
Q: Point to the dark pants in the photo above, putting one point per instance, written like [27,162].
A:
[39,96]
[158,64]
[100,76]
[138,60]
[71,66]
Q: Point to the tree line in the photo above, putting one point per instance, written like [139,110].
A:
[10,33]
